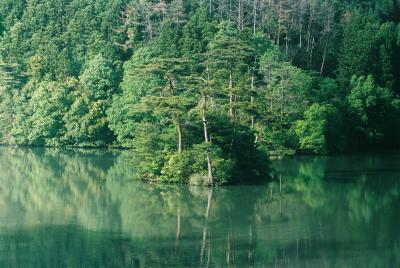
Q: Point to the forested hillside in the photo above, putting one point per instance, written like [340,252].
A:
[201,89]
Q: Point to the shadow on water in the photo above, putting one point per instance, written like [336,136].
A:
[68,208]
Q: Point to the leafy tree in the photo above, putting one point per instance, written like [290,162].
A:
[6,114]
[286,89]
[86,122]
[197,33]
[375,108]
[49,104]
[368,47]
[313,130]
[357,52]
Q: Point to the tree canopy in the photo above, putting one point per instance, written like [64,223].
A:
[201,91]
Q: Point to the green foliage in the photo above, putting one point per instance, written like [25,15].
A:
[398,34]
[368,47]
[191,166]
[1,26]
[198,92]
[375,108]
[287,89]
[312,131]
[197,33]
[6,115]
[86,121]
[49,104]
[326,91]
[359,41]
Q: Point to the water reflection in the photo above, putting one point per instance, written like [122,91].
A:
[83,209]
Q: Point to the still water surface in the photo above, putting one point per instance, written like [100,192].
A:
[69,208]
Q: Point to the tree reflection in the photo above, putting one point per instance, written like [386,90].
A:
[85,208]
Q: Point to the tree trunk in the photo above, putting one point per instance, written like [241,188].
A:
[205,127]
[278,30]
[324,57]
[300,41]
[210,173]
[287,43]
[149,27]
[179,128]
[234,107]
[209,199]
[252,91]
[310,38]
[271,93]
[239,17]
[254,16]
[203,115]
[230,89]
[309,31]
[252,116]
[311,52]
[283,100]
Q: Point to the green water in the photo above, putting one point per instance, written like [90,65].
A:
[73,208]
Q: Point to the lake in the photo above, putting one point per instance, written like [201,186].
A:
[83,208]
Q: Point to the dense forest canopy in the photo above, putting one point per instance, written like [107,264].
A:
[201,90]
